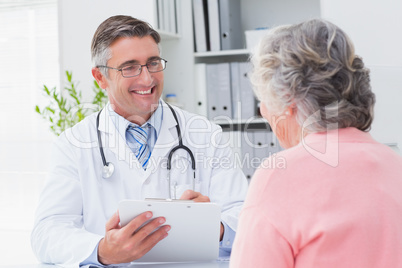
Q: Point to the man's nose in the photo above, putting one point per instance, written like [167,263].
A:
[145,75]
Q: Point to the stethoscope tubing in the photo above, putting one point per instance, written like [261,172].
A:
[108,167]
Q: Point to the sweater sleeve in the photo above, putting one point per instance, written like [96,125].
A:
[259,244]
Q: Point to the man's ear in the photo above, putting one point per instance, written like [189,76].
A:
[99,77]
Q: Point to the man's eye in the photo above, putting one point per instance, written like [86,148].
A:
[130,68]
[153,63]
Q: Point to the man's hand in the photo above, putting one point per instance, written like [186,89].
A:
[198,197]
[195,196]
[126,244]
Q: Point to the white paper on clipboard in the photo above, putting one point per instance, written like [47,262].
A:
[194,234]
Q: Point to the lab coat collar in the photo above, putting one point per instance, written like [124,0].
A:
[111,138]
[105,121]
[107,112]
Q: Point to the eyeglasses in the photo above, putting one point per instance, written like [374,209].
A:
[153,66]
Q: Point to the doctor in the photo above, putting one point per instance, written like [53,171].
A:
[122,153]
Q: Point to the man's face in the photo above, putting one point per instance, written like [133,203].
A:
[134,98]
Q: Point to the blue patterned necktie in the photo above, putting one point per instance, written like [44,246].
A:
[137,141]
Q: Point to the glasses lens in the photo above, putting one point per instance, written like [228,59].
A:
[132,70]
[156,65]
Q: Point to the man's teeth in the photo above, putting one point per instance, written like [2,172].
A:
[144,92]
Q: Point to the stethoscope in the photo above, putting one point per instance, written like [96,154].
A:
[108,167]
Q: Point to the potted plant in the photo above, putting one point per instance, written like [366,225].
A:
[67,109]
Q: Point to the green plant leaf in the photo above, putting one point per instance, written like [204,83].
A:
[46,90]
[50,110]
[63,112]
[96,85]
[69,76]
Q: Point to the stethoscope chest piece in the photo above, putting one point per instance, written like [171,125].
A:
[107,170]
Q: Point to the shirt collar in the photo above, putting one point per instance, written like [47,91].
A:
[121,123]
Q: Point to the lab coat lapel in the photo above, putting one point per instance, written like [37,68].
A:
[114,141]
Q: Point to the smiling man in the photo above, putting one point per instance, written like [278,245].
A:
[77,221]
[135,99]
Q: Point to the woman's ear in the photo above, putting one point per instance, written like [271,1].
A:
[99,77]
[289,110]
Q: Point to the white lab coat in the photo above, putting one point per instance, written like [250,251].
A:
[76,201]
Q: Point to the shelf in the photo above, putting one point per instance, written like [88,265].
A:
[257,123]
[168,36]
[222,53]
[258,120]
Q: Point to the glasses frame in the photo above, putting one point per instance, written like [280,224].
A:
[141,66]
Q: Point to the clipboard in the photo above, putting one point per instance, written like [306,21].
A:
[194,234]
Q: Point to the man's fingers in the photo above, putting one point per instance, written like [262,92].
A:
[131,241]
[195,196]
[149,235]
[136,223]
[149,228]
[189,195]
[202,198]
[113,222]
[151,240]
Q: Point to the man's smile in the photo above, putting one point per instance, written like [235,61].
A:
[143,91]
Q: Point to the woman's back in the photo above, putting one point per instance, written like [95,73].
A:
[337,203]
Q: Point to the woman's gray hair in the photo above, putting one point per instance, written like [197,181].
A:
[312,67]
[113,28]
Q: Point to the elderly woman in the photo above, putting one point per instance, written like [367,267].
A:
[338,201]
